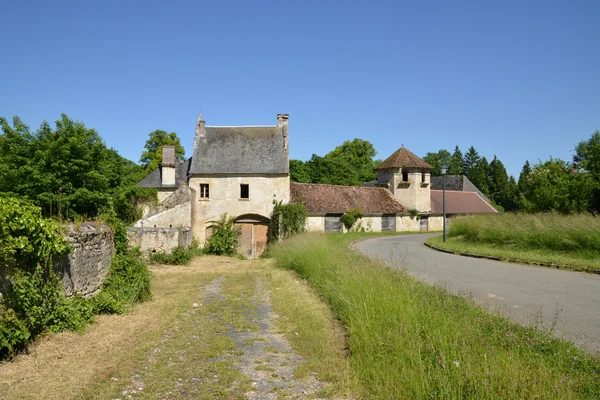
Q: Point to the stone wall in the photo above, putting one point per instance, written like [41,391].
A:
[159,239]
[177,217]
[92,248]
[225,197]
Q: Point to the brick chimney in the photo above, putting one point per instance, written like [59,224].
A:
[168,166]
[282,124]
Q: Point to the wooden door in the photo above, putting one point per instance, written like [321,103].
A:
[424,224]
[388,223]
[261,235]
[333,223]
[245,243]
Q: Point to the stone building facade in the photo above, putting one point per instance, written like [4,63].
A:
[242,170]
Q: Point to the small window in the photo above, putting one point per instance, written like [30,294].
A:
[244,191]
[204,191]
[404,176]
[423,176]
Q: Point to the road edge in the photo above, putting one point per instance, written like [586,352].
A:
[510,260]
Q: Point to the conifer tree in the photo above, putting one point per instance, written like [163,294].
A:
[456,166]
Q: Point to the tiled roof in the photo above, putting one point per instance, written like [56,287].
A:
[338,199]
[459,203]
[404,158]
[154,179]
[240,149]
[456,182]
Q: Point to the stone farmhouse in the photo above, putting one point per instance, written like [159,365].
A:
[242,170]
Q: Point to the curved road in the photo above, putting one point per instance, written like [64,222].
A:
[529,295]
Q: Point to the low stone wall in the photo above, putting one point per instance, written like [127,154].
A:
[159,239]
[83,270]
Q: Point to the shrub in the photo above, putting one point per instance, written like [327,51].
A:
[414,212]
[179,256]
[127,282]
[287,220]
[350,217]
[225,236]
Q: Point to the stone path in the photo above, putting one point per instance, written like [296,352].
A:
[263,358]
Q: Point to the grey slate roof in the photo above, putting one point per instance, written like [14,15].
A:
[240,149]
[456,182]
[154,179]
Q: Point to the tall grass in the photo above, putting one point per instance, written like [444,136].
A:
[410,340]
[579,232]
[571,241]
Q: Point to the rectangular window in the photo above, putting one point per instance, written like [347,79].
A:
[404,176]
[244,191]
[204,191]
[422,176]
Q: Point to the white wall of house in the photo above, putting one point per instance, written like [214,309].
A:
[413,193]
[436,223]
[225,197]
[368,223]
[315,223]
[407,224]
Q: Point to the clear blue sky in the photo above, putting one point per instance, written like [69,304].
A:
[519,79]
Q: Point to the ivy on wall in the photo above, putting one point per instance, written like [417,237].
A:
[287,220]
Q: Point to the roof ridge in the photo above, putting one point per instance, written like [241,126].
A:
[338,186]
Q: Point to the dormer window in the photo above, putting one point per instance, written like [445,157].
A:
[404,176]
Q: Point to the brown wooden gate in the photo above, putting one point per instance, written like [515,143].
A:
[254,235]
[245,242]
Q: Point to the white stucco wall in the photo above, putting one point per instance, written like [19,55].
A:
[436,223]
[168,176]
[407,224]
[315,224]
[369,223]
[224,197]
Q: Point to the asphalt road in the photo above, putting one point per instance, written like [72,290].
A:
[529,295]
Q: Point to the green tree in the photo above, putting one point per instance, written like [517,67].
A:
[498,182]
[524,177]
[436,160]
[479,175]
[66,171]
[299,171]
[470,161]
[556,185]
[456,166]
[350,164]
[587,161]
[152,155]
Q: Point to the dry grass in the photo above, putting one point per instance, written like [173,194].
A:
[71,365]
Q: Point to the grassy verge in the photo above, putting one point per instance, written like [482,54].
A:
[169,346]
[409,340]
[570,241]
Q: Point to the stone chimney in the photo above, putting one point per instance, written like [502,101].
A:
[282,124]
[168,166]
[200,131]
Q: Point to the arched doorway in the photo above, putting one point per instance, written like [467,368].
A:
[255,234]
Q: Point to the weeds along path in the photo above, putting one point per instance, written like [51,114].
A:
[220,328]
[224,346]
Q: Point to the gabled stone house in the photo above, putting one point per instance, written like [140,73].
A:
[242,170]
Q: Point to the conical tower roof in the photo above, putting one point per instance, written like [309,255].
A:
[403,158]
